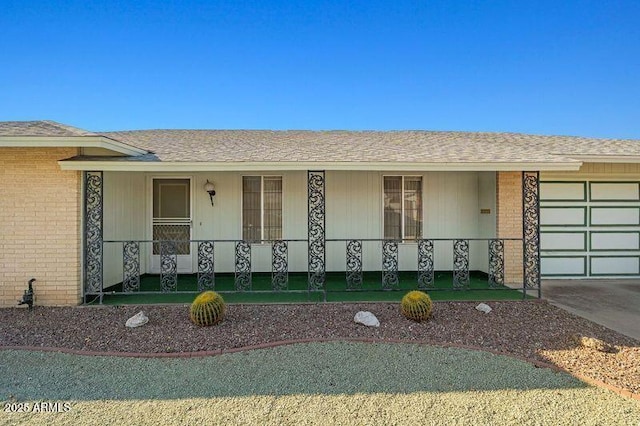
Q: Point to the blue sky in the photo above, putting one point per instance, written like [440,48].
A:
[545,67]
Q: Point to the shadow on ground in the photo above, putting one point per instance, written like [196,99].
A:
[313,368]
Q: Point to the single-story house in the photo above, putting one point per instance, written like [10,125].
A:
[81,211]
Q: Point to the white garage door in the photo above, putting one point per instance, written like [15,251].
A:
[590,229]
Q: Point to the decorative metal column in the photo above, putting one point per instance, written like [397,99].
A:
[168,266]
[279,265]
[390,278]
[531,231]
[243,266]
[206,270]
[496,263]
[130,266]
[426,277]
[354,264]
[93,242]
[316,229]
[460,264]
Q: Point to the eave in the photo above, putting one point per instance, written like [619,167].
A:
[607,158]
[166,166]
[70,141]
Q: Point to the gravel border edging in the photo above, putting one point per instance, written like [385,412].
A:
[268,345]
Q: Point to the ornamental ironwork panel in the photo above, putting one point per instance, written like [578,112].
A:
[354,265]
[279,265]
[180,233]
[206,270]
[531,230]
[316,229]
[460,264]
[131,266]
[93,243]
[390,278]
[496,263]
[168,266]
[426,279]
[243,266]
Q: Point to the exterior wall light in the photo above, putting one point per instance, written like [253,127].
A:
[209,188]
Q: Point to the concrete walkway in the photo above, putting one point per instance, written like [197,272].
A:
[612,303]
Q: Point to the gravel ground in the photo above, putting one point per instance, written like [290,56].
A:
[535,330]
[312,383]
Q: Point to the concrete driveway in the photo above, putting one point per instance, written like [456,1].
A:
[612,303]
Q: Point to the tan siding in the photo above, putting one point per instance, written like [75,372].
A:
[223,220]
[451,209]
[125,218]
[39,226]
[603,171]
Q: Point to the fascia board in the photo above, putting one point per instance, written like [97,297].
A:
[157,166]
[69,141]
[607,158]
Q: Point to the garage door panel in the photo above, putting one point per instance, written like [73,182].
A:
[563,241]
[563,191]
[563,216]
[609,241]
[615,216]
[614,191]
[614,265]
[575,266]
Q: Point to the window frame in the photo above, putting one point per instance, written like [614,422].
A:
[403,237]
[262,209]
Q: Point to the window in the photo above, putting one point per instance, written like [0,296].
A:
[261,208]
[402,207]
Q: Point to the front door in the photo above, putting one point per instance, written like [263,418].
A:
[171,220]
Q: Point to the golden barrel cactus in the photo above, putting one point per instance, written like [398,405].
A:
[416,305]
[207,309]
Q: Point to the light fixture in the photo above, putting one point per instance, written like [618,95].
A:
[209,188]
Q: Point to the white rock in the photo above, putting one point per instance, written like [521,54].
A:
[137,320]
[366,318]
[484,308]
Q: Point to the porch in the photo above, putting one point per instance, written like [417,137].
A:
[320,263]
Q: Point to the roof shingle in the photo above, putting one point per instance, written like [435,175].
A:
[367,146]
[225,146]
[40,128]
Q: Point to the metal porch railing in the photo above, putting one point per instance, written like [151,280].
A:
[125,262]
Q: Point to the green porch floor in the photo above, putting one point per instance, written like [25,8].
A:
[371,291]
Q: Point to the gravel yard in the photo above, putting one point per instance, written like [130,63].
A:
[310,383]
[532,329]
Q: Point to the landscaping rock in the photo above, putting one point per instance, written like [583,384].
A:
[593,343]
[484,308]
[137,320]
[366,318]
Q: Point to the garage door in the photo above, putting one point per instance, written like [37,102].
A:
[589,229]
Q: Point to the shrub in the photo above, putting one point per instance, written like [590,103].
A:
[207,309]
[416,305]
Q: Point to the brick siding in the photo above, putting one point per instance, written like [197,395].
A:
[39,226]
[509,222]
